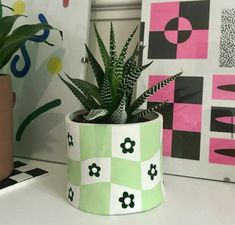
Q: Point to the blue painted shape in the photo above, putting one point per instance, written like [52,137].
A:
[20,73]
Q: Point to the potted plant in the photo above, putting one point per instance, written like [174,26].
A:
[114,150]
[11,40]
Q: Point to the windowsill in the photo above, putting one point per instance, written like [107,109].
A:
[188,201]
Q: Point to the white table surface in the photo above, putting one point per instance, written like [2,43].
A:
[188,202]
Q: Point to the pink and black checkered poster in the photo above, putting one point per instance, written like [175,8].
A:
[177,31]
[196,36]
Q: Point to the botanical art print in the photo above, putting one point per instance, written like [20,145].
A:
[41,102]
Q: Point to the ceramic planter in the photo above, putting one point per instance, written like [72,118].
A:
[6,127]
[114,169]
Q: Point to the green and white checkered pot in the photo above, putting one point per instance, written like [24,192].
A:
[114,169]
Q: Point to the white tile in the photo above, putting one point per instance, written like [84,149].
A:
[119,135]
[73,195]
[90,174]
[116,204]
[25,168]
[148,181]
[73,142]
[21,177]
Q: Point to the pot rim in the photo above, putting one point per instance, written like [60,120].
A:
[71,115]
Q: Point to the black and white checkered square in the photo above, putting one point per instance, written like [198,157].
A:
[20,173]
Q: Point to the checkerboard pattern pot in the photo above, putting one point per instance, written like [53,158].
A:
[114,169]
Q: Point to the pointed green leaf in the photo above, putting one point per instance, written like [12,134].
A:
[143,113]
[97,69]
[106,94]
[6,24]
[13,42]
[87,88]
[79,95]
[120,116]
[142,98]
[102,48]
[133,76]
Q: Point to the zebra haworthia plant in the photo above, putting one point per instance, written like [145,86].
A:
[110,101]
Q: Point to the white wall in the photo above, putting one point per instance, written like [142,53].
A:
[125,15]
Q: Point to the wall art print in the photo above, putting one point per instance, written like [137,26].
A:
[182,115]
[42,100]
[199,127]
[177,32]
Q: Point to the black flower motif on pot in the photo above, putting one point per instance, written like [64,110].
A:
[70,194]
[94,170]
[152,171]
[127,145]
[127,200]
[70,139]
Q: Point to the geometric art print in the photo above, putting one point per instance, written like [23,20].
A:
[179,30]
[197,37]
[182,115]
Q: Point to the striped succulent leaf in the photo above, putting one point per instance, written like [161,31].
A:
[129,66]
[106,94]
[97,69]
[112,50]
[102,48]
[133,76]
[120,116]
[123,53]
[96,113]
[142,98]
[80,96]
[87,88]
[143,113]
[120,62]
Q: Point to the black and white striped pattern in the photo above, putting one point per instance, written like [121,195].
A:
[120,115]
[106,94]
[139,101]
[143,113]
[96,113]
